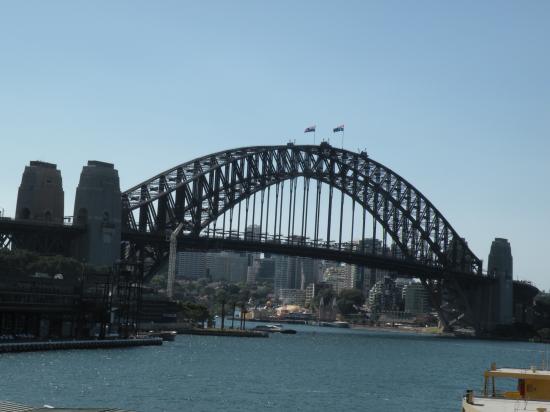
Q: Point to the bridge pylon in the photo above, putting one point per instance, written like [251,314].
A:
[97,207]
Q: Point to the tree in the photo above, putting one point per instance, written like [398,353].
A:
[221,298]
[244,295]
[261,293]
[209,291]
[349,301]
[233,299]
[158,281]
[323,298]
[194,312]
[26,263]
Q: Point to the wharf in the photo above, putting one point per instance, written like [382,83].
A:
[16,407]
[288,321]
[226,332]
[77,344]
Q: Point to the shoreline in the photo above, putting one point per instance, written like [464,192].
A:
[432,330]
[34,346]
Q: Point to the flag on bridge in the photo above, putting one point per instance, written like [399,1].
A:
[338,129]
[310,129]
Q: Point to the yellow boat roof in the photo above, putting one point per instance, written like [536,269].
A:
[532,373]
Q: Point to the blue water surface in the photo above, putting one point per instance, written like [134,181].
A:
[318,369]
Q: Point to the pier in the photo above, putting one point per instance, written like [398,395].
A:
[16,407]
[77,344]
[239,333]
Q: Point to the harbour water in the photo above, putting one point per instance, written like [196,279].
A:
[318,369]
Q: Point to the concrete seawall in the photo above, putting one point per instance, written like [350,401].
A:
[77,344]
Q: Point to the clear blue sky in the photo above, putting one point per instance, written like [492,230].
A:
[454,96]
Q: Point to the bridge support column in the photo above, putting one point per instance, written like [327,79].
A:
[472,303]
[172,257]
[485,307]
[40,196]
[98,207]
[435,293]
[462,302]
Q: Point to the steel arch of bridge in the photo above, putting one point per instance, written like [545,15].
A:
[198,192]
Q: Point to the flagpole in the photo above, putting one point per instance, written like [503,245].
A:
[311,129]
[342,139]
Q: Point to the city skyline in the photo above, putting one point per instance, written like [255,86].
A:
[460,110]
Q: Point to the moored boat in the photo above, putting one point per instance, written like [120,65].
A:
[532,392]
[166,335]
[271,328]
[335,324]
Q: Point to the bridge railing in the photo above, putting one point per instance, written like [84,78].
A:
[67,220]
[357,248]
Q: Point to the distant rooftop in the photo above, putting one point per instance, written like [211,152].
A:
[39,163]
[100,164]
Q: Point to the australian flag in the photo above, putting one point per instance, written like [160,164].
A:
[338,129]
[309,129]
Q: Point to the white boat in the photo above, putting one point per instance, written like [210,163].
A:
[274,328]
[336,324]
[532,392]
[166,335]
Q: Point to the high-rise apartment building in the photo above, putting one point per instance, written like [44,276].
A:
[293,272]
[191,264]
[261,270]
[385,295]
[339,277]
[501,267]
[228,266]
[416,299]
[292,296]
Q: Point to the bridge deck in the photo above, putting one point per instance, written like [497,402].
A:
[405,267]
[13,225]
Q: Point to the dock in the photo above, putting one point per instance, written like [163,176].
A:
[32,346]
[187,329]
[238,333]
[16,407]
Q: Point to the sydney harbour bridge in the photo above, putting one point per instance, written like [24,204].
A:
[314,201]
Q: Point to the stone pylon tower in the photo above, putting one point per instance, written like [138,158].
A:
[40,195]
[98,206]
[500,266]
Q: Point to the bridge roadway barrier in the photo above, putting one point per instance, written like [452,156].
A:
[77,344]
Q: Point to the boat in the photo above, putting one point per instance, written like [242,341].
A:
[274,328]
[336,324]
[166,335]
[532,392]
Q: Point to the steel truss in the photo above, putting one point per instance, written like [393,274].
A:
[218,189]
[41,237]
